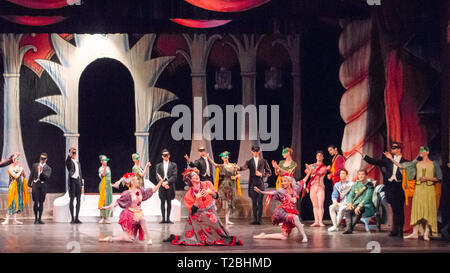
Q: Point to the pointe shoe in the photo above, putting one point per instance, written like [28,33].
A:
[149,242]
[17,222]
[107,222]
[332,229]
[321,224]
[5,222]
[315,225]
[411,236]
[106,239]
[101,221]
[259,236]
[305,239]
[229,223]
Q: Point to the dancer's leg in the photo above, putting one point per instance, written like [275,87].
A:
[169,208]
[6,219]
[17,222]
[314,200]
[143,224]
[275,236]
[227,218]
[320,201]
[333,215]
[414,234]
[163,211]
[299,226]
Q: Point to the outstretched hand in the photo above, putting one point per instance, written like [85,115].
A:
[388,155]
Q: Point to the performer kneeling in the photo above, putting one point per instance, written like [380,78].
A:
[203,226]
[286,214]
[132,219]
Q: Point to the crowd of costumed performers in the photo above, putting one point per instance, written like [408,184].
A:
[351,200]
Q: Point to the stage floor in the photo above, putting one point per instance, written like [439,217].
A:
[62,238]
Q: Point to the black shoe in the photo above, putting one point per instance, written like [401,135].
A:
[40,222]
[77,221]
[73,221]
[169,222]
[258,223]
[163,222]
[36,221]
[393,233]
[254,223]
[348,231]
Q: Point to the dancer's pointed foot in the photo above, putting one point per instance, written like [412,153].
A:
[105,239]
[5,222]
[229,223]
[305,239]
[259,236]
[149,242]
[411,236]
[101,221]
[17,222]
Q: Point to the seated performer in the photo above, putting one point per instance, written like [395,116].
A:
[203,228]
[132,219]
[339,197]
[359,201]
[286,213]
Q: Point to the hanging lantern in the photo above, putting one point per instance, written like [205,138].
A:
[273,78]
[223,79]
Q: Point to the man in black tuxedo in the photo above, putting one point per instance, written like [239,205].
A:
[392,180]
[168,171]
[202,164]
[259,169]
[40,173]
[76,183]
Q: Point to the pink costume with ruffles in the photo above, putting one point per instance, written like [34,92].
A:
[132,213]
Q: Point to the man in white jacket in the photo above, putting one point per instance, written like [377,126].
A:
[339,197]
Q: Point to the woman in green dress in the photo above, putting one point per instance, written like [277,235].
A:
[105,190]
[424,206]
[17,193]
[286,166]
[140,173]
[229,183]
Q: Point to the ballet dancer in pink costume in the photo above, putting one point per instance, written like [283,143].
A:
[316,187]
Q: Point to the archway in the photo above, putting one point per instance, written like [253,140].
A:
[106,119]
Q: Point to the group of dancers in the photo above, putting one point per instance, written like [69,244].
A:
[352,199]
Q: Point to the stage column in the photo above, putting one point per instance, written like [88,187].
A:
[292,45]
[246,51]
[142,146]
[199,46]
[12,131]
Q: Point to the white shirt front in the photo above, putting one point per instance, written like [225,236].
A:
[397,159]
[207,172]
[39,171]
[256,162]
[76,173]
[165,168]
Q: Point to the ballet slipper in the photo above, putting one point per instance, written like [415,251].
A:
[229,223]
[315,225]
[149,242]
[321,224]
[6,221]
[106,239]
[101,221]
[411,236]
[17,222]
[305,239]
[107,222]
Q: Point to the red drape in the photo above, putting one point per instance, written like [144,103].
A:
[392,98]
[34,20]
[200,23]
[42,4]
[227,5]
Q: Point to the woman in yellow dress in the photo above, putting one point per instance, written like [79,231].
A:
[286,166]
[424,206]
[17,193]
[140,173]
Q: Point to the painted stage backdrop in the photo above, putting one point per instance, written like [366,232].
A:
[116,94]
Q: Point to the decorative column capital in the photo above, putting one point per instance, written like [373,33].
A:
[11,75]
[141,133]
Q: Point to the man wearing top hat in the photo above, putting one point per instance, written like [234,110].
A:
[167,171]
[259,169]
[392,180]
[202,164]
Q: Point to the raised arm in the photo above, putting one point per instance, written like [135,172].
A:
[13,174]
[264,192]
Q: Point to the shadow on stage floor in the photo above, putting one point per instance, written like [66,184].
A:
[62,238]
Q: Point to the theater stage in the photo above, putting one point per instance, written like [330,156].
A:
[64,237]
